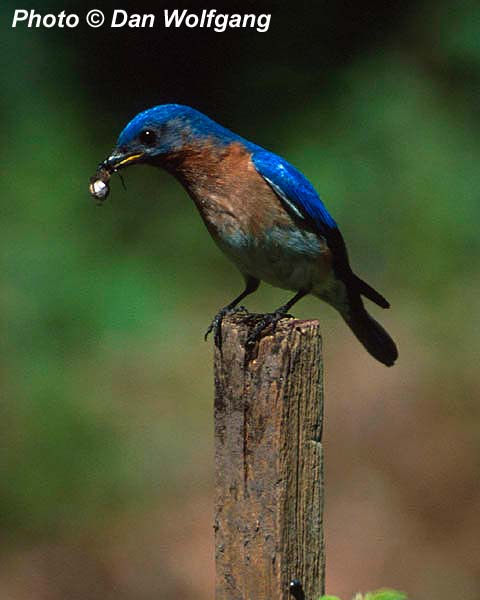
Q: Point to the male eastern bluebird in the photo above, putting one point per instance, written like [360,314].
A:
[260,210]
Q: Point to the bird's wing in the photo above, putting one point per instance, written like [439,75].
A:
[302,201]
[294,190]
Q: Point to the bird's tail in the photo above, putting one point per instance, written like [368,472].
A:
[346,296]
[372,335]
[368,291]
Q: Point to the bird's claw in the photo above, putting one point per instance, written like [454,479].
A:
[216,324]
[268,320]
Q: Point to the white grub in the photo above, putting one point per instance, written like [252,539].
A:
[100,188]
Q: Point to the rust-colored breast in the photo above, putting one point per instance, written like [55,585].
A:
[227,189]
[248,220]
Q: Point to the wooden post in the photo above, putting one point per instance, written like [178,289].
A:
[269,464]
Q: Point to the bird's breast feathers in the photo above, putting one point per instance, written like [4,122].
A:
[251,226]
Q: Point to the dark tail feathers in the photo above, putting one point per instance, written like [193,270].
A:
[367,291]
[372,335]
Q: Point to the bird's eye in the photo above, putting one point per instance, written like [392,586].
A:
[147,137]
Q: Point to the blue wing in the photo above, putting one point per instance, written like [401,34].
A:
[294,189]
[300,199]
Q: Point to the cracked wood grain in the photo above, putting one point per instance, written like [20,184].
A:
[269,462]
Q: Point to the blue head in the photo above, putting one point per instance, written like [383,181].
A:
[163,130]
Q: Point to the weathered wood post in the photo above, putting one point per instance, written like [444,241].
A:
[269,463]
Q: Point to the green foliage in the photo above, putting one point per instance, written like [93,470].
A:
[383,594]
[386,594]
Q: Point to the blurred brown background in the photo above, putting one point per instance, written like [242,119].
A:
[106,383]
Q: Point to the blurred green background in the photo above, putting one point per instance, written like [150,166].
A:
[106,383]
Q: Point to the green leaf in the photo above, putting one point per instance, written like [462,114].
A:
[383,594]
[386,594]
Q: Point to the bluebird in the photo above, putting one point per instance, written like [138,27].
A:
[261,211]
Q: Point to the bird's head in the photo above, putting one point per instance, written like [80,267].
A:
[161,131]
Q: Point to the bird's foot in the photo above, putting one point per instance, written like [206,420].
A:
[267,321]
[216,324]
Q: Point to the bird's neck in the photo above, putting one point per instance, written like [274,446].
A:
[213,175]
[193,163]
[205,167]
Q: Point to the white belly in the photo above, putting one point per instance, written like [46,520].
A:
[287,258]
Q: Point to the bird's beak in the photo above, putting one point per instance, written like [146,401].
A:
[118,160]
